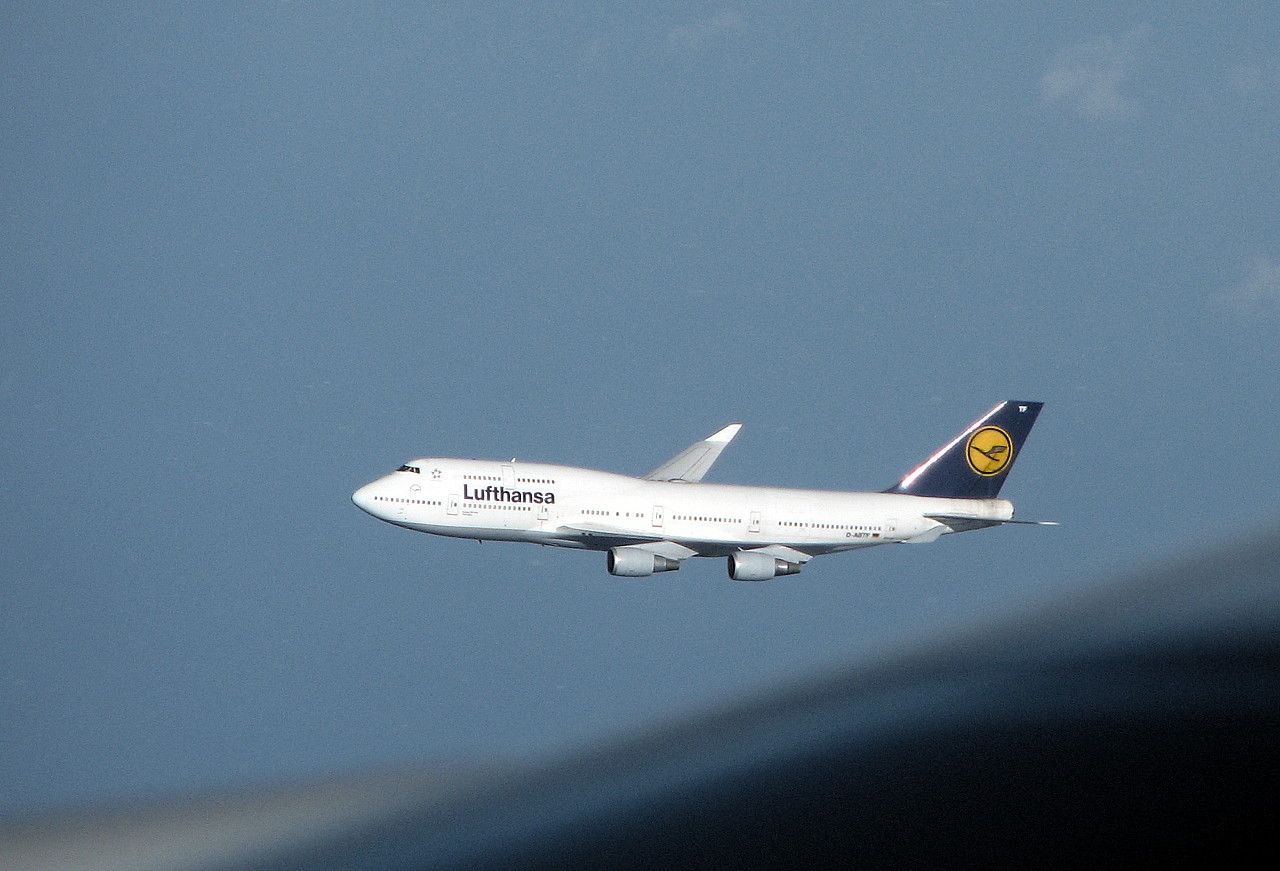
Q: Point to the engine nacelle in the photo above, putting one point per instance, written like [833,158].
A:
[632,562]
[748,565]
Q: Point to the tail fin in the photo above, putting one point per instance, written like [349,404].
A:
[975,463]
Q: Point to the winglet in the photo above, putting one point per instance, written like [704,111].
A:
[693,462]
[724,436]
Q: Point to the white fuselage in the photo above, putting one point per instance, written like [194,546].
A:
[567,506]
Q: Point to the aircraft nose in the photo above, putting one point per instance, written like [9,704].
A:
[363,498]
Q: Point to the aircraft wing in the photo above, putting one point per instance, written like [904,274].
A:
[602,531]
[629,538]
[666,547]
[669,549]
[694,461]
[782,552]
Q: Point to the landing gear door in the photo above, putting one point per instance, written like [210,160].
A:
[657,515]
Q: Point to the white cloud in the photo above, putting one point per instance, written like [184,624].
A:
[692,37]
[1254,298]
[1088,78]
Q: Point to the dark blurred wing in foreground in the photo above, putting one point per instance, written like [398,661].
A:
[1137,722]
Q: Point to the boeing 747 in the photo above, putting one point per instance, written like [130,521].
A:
[652,524]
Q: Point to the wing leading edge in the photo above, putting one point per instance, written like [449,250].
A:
[693,462]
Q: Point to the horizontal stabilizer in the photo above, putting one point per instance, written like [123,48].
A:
[966,522]
[694,461]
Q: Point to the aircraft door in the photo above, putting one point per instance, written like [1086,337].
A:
[755,522]
[657,515]
[509,477]
[453,503]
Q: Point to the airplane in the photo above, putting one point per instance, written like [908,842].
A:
[652,524]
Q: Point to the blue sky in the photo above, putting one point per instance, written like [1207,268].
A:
[258,255]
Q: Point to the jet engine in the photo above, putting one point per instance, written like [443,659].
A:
[748,565]
[632,562]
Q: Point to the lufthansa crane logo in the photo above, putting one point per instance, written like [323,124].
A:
[990,451]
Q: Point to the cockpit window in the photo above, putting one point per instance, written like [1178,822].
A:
[413,469]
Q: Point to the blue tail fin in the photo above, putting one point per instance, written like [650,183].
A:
[975,463]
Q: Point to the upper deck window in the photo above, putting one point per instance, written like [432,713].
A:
[413,469]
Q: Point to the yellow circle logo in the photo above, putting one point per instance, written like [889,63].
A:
[990,451]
